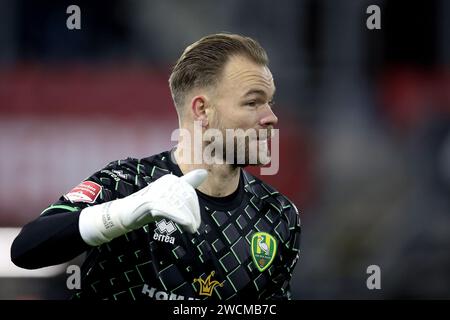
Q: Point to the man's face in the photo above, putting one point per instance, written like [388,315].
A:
[243,100]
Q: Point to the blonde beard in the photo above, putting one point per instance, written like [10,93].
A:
[243,150]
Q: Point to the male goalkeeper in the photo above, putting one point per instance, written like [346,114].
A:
[164,227]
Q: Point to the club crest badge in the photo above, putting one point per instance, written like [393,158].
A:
[264,248]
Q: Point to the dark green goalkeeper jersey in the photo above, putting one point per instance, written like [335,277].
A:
[246,247]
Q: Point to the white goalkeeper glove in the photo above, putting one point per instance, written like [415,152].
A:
[168,197]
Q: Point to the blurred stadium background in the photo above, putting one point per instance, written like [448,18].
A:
[364,124]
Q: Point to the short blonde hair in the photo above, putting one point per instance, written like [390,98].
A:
[202,62]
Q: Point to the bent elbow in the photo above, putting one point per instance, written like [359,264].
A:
[21,254]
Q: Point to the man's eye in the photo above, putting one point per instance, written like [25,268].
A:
[272,103]
[251,103]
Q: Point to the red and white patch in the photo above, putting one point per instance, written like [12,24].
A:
[87,191]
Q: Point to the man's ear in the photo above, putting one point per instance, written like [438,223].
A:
[199,106]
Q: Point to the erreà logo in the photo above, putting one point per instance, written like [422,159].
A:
[163,231]
[207,286]
[264,248]
[165,227]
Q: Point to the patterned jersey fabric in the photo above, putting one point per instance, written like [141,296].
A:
[246,247]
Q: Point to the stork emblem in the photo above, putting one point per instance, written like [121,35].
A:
[264,248]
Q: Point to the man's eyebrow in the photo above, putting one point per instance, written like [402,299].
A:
[257,91]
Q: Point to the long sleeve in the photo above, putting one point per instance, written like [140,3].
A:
[48,240]
[54,236]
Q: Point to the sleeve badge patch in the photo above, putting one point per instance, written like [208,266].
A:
[87,191]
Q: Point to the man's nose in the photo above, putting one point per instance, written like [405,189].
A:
[268,117]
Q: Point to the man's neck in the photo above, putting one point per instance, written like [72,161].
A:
[222,180]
